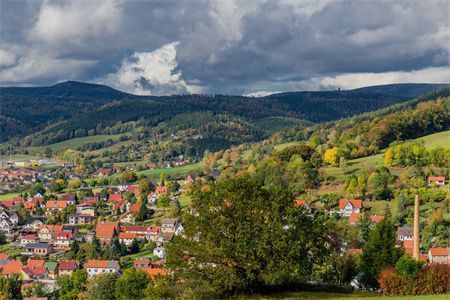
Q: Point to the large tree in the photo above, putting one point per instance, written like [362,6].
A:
[379,252]
[241,235]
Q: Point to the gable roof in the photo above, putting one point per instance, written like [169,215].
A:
[68,265]
[102,264]
[35,262]
[106,229]
[354,203]
[135,208]
[436,178]
[11,267]
[115,197]
[127,235]
[56,204]
[354,217]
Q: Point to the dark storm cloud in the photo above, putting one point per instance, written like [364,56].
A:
[223,46]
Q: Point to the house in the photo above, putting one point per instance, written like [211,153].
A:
[85,209]
[95,267]
[405,233]
[127,217]
[304,205]
[152,272]
[11,267]
[52,269]
[151,233]
[46,232]
[105,231]
[160,252]
[28,239]
[189,179]
[34,273]
[160,190]
[152,199]
[55,205]
[34,223]
[91,200]
[115,197]
[436,180]
[354,217]
[135,208]
[41,249]
[122,187]
[70,199]
[169,225]
[127,238]
[134,189]
[141,263]
[347,207]
[80,219]
[62,239]
[6,226]
[439,255]
[67,267]
[179,229]
[103,172]
[375,219]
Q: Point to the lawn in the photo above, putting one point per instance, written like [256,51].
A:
[77,142]
[440,139]
[185,200]
[354,295]
[183,170]
[8,197]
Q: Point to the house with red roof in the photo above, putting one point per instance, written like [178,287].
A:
[91,200]
[347,207]
[405,233]
[105,231]
[127,237]
[135,208]
[62,239]
[134,189]
[34,272]
[439,256]
[67,267]
[27,239]
[55,205]
[11,267]
[436,180]
[96,267]
[115,197]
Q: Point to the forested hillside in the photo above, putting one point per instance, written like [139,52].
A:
[78,109]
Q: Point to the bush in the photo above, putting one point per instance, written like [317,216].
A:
[434,279]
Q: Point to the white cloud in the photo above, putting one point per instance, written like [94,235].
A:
[36,66]
[7,58]
[352,80]
[74,21]
[151,73]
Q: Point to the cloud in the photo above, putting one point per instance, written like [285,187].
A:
[151,73]
[73,22]
[225,46]
[6,58]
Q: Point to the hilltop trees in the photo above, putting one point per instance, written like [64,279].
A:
[229,236]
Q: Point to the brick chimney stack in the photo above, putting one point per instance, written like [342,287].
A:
[416,242]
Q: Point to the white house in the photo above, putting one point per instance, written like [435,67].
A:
[347,207]
[159,252]
[96,267]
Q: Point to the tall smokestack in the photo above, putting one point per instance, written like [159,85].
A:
[416,243]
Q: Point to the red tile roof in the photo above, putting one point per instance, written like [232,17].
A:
[153,271]
[439,251]
[436,178]
[68,265]
[106,230]
[35,263]
[115,197]
[135,208]
[127,235]
[12,267]
[354,217]
[56,204]
[354,203]
[101,264]
[376,219]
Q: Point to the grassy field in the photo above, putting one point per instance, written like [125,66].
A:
[441,139]
[354,295]
[77,142]
[183,170]
[17,157]
[8,197]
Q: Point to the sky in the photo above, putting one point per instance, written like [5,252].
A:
[224,46]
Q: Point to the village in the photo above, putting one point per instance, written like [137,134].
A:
[46,235]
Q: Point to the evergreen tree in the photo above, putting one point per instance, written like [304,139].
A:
[379,252]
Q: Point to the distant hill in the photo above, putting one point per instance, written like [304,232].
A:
[74,109]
